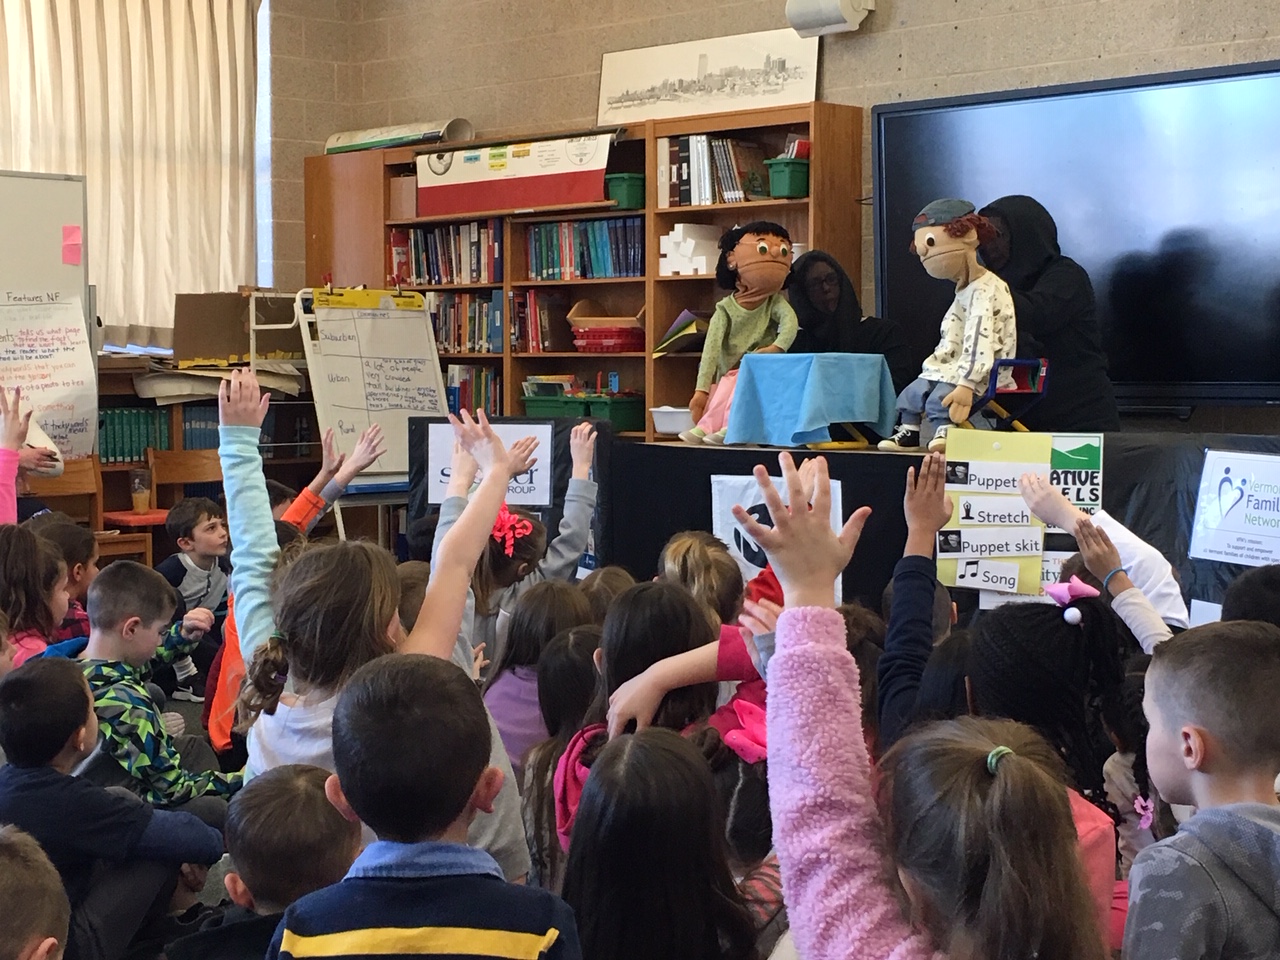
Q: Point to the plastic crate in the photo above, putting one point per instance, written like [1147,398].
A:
[626,188]
[625,413]
[608,339]
[552,407]
[788,177]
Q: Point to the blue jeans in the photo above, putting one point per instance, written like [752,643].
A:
[924,397]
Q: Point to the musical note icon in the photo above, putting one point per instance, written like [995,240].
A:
[968,571]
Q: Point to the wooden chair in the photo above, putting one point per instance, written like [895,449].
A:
[173,469]
[78,493]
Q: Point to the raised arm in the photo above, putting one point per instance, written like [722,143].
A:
[440,616]
[254,550]
[1129,603]
[825,824]
[13,434]
[565,551]
[909,640]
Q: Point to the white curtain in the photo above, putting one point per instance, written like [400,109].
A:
[153,101]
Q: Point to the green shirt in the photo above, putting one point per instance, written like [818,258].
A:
[735,331]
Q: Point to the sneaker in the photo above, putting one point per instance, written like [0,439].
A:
[694,435]
[939,442]
[190,689]
[906,437]
[716,439]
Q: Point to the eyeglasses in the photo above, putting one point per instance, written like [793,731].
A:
[829,280]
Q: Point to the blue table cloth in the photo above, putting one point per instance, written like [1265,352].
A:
[789,399]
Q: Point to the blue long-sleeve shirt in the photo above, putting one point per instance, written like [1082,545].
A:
[907,645]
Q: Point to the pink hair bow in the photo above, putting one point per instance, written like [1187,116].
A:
[1146,811]
[748,741]
[1073,589]
[510,527]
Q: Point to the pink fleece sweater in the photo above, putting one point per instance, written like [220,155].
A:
[825,825]
[8,486]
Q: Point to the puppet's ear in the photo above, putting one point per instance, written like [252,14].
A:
[731,259]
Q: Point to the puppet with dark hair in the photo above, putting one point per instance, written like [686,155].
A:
[755,261]
[977,330]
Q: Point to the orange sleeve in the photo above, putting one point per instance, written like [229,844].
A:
[304,510]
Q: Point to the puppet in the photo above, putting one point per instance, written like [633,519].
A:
[755,261]
[977,330]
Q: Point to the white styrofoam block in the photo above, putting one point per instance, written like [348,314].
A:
[696,231]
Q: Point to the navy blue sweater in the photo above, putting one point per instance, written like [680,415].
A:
[907,645]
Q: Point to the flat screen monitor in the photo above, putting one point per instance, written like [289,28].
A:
[1166,189]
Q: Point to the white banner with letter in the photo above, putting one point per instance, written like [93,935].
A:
[1238,509]
[729,491]
[531,489]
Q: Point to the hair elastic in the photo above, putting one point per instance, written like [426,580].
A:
[1106,581]
[510,527]
[994,757]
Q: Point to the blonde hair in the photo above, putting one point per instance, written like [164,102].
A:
[334,605]
[602,586]
[703,564]
[987,837]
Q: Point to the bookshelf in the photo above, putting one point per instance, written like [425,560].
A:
[349,230]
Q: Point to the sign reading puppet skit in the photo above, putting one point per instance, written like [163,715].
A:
[993,541]
[1238,509]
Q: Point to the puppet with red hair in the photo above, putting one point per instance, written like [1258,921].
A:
[978,329]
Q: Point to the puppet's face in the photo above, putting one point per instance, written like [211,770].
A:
[762,261]
[945,257]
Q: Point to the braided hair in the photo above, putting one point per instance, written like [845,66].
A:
[1123,716]
[1029,664]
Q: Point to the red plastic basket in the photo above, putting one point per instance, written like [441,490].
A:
[609,339]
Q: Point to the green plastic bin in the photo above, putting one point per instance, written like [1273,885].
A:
[552,407]
[788,177]
[625,413]
[626,188]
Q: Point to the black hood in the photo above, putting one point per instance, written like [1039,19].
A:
[848,309]
[1033,239]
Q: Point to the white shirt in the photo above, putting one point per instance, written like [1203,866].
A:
[977,330]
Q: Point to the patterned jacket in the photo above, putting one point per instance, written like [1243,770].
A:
[134,735]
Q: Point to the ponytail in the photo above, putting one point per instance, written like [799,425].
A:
[264,683]
[978,818]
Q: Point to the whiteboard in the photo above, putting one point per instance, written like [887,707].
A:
[372,359]
[34,210]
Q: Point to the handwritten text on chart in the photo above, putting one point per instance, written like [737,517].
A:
[44,348]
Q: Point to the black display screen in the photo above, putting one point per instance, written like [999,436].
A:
[1167,190]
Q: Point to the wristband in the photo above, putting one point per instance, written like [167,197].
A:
[1106,581]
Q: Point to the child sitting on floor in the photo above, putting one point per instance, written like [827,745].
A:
[33,591]
[79,549]
[33,906]
[285,840]
[602,587]
[420,884]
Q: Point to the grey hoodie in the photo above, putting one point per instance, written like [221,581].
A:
[1210,891]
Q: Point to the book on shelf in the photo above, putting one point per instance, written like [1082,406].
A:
[450,253]
[467,322]
[585,249]
[688,333]
[702,170]
[539,321]
[473,387]
[126,432]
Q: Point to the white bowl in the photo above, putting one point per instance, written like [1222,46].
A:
[671,419]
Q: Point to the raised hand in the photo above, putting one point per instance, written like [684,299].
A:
[331,459]
[370,446]
[582,448]
[520,457]
[462,472]
[13,423]
[805,553]
[1100,555]
[241,402]
[1048,502]
[925,503]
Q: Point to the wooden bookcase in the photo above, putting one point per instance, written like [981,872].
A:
[348,228]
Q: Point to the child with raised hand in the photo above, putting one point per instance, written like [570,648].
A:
[1210,891]
[980,832]
[517,554]
[1128,602]
[13,434]
[1146,568]
[336,607]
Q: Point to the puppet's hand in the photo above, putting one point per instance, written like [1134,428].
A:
[959,404]
[698,405]
[771,348]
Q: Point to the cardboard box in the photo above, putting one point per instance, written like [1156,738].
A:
[586,314]
[403,199]
[212,329]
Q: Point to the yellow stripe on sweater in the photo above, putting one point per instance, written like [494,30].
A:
[421,941]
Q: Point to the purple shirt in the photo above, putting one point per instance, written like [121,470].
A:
[513,702]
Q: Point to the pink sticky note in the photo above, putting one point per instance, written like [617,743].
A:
[71,234]
[71,254]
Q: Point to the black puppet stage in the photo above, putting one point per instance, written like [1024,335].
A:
[648,491]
